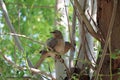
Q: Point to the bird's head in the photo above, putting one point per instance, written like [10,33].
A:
[57,34]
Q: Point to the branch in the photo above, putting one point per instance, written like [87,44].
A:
[99,31]
[86,21]
[23,36]
[10,26]
[15,78]
[37,71]
[107,38]
[17,41]
[72,38]
[42,58]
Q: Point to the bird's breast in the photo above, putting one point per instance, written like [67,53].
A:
[60,46]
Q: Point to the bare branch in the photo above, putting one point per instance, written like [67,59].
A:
[23,36]
[72,38]
[10,26]
[86,21]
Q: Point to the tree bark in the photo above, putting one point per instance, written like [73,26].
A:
[104,13]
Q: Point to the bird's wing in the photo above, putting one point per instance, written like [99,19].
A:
[51,43]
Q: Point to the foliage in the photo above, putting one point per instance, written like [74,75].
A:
[32,18]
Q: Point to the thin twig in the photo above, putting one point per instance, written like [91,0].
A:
[85,43]
[72,39]
[90,51]
[99,31]
[110,59]
[24,36]
[67,69]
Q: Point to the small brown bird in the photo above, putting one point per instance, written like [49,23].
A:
[56,43]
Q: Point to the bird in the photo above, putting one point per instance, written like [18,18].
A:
[56,43]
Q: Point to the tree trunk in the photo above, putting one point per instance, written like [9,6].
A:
[60,68]
[104,13]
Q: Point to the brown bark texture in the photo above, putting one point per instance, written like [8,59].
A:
[104,13]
